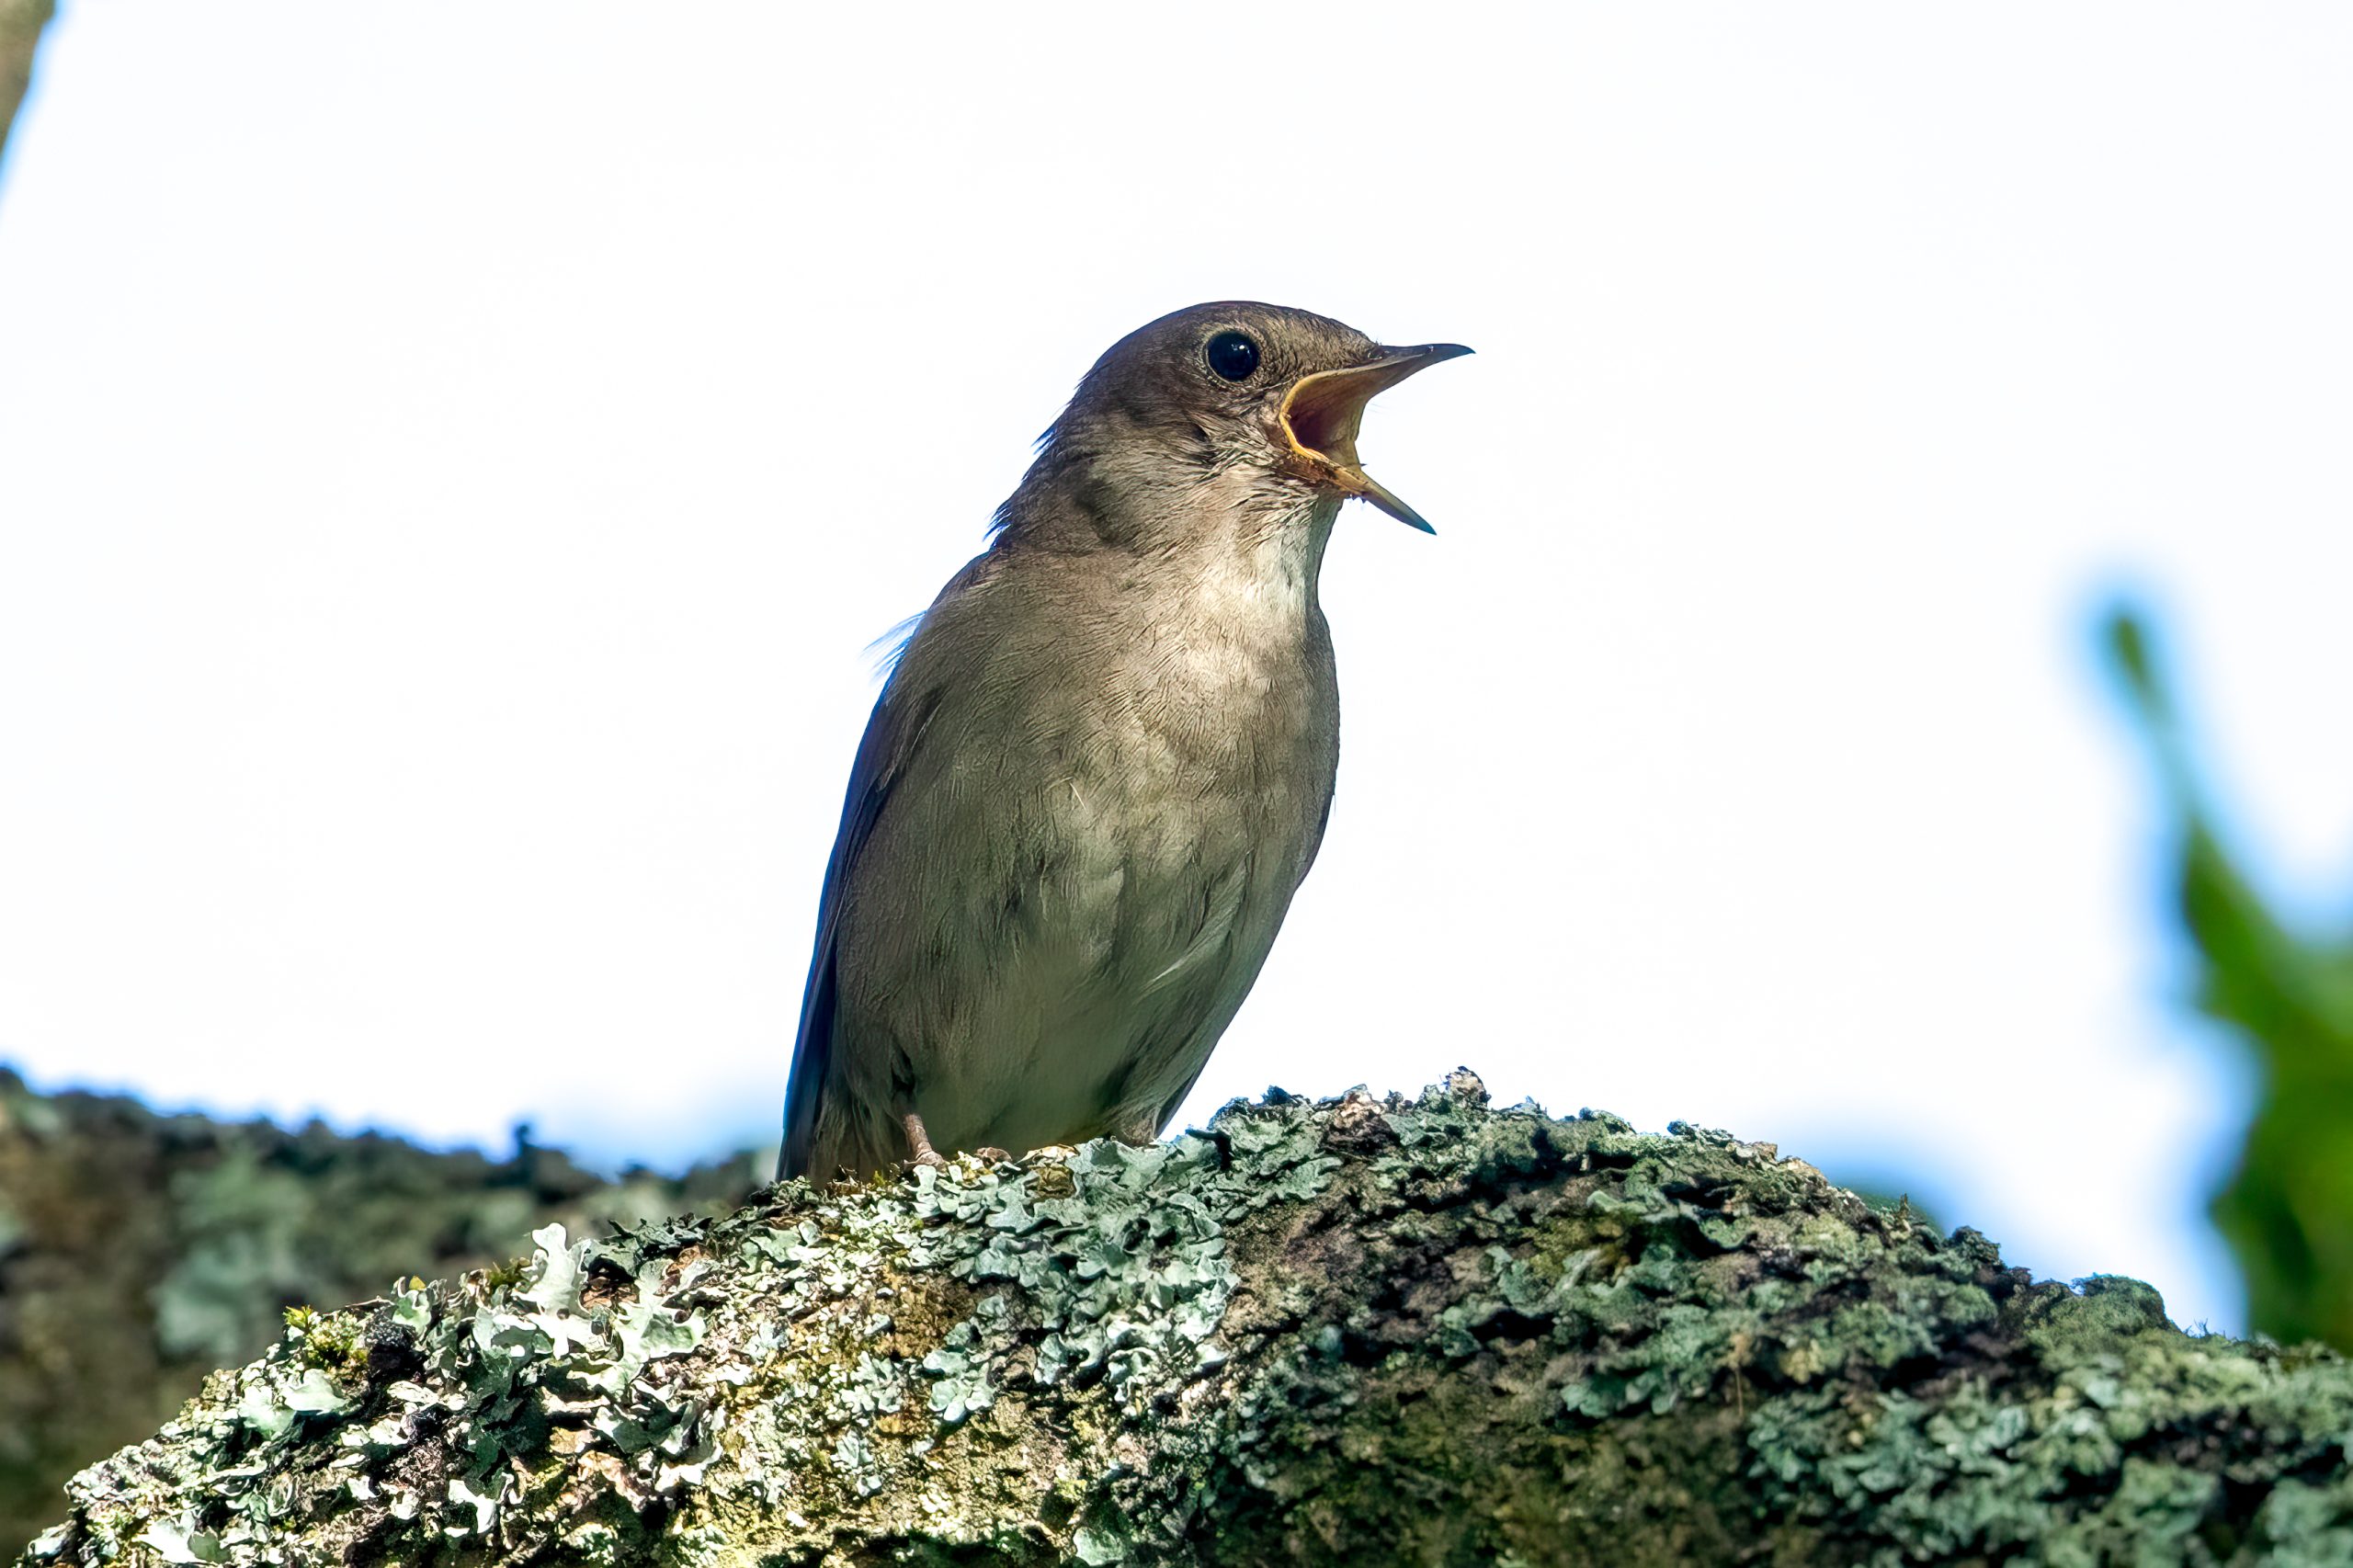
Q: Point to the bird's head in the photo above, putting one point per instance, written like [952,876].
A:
[1274,394]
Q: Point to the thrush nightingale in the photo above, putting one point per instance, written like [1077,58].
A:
[1102,762]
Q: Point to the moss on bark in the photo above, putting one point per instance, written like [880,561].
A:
[1414,1331]
[138,1251]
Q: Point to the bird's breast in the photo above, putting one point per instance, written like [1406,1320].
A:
[1134,777]
[1216,688]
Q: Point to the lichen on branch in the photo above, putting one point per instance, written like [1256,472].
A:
[1353,1331]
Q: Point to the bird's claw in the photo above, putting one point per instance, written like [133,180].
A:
[919,1141]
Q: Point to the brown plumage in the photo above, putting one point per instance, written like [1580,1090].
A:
[1102,762]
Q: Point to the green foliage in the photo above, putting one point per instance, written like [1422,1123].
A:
[2287,1210]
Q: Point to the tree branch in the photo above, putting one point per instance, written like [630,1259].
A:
[1351,1332]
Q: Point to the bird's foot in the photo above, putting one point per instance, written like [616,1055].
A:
[920,1142]
[992,1154]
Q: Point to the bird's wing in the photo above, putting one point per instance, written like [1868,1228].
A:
[893,734]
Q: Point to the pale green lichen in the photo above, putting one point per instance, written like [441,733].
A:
[145,1250]
[1348,1332]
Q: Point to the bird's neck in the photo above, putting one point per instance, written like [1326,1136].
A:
[1191,599]
[1137,510]
[1235,560]
[1282,550]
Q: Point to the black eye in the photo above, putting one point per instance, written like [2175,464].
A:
[1233,356]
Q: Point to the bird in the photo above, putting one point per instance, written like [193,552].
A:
[1101,762]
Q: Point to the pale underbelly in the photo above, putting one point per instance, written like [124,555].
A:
[1098,1008]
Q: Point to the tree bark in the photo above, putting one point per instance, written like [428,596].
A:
[1350,1331]
[138,1251]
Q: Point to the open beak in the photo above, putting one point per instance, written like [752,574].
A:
[1321,413]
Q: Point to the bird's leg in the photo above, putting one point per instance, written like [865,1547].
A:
[920,1141]
[1139,1130]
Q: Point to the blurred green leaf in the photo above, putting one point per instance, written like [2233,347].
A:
[20,25]
[2287,1209]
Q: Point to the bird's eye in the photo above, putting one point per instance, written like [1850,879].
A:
[1233,355]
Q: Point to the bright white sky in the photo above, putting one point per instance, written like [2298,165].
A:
[453,461]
